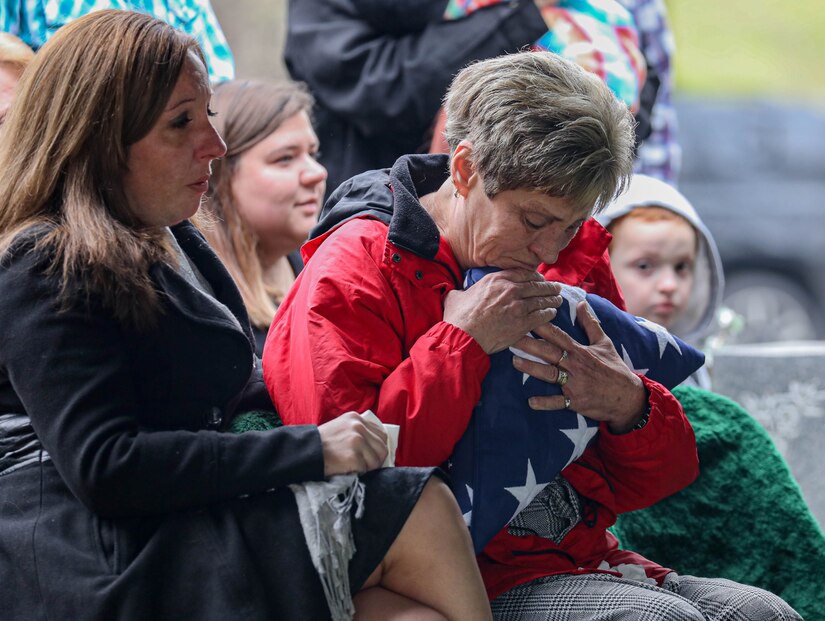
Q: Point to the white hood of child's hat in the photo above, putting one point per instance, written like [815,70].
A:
[706,298]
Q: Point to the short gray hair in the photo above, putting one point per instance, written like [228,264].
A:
[540,122]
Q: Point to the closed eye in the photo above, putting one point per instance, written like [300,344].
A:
[284,159]
[181,121]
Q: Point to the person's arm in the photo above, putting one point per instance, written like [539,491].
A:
[340,342]
[646,444]
[72,372]
[651,463]
[385,81]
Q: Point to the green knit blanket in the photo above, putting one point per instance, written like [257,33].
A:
[255,420]
[744,518]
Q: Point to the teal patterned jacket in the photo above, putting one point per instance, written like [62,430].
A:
[35,21]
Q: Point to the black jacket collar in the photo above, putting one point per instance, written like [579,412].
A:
[392,196]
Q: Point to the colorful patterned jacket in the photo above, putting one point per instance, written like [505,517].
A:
[35,21]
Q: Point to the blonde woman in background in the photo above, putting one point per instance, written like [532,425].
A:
[14,56]
[266,193]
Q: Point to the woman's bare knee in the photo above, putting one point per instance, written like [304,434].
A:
[439,499]
[381,604]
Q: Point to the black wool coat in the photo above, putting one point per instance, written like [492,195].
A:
[120,495]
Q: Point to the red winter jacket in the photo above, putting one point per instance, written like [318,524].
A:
[362,329]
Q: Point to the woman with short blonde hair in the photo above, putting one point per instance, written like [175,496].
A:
[383,320]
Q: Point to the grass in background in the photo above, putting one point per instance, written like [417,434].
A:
[750,48]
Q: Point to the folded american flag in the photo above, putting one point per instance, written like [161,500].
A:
[510,452]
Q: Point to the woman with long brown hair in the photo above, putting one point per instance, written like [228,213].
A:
[125,352]
[266,192]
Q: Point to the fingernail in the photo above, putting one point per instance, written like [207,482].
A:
[532,402]
[516,361]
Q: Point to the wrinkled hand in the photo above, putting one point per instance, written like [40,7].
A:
[502,307]
[599,385]
[352,444]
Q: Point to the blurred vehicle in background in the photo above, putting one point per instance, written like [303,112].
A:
[755,171]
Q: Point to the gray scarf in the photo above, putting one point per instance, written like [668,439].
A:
[324,508]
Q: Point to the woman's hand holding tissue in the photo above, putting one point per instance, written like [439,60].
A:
[352,443]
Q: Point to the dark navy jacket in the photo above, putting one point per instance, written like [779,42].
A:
[379,69]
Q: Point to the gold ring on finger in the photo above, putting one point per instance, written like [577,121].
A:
[563,357]
[561,380]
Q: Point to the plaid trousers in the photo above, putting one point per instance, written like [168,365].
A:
[603,597]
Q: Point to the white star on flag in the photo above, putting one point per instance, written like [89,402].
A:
[573,295]
[468,517]
[526,356]
[526,492]
[662,335]
[580,437]
[629,363]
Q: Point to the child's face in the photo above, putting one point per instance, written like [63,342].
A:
[653,262]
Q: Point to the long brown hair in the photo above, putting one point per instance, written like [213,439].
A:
[98,86]
[248,111]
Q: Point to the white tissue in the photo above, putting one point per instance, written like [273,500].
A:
[392,437]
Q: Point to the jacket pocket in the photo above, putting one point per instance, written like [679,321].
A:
[104,537]
[119,541]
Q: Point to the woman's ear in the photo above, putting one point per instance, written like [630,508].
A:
[462,169]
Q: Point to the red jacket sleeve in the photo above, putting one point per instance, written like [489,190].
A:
[344,340]
[644,466]
[649,464]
